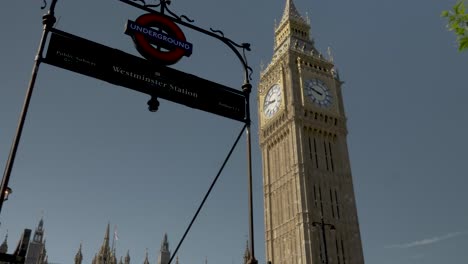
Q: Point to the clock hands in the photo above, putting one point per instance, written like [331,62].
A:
[315,90]
[272,100]
[267,103]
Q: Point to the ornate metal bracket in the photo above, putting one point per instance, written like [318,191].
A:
[218,34]
[163,7]
[52,7]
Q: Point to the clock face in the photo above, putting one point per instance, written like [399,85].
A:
[318,92]
[272,101]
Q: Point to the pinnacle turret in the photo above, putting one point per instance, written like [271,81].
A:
[164,253]
[246,253]
[105,255]
[292,26]
[105,249]
[79,256]
[39,232]
[4,246]
[146,258]
[165,244]
[127,257]
[291,13]
[292,36]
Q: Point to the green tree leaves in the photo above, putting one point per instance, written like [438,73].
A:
[458,23]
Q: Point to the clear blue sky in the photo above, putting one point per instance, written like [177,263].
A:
[91,153]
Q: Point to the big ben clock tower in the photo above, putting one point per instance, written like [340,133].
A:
[310,209]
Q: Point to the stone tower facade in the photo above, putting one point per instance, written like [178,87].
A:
[309,203]
[37,253]
[164,253]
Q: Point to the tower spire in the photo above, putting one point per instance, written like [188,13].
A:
[293,32]
[291,13]
[39,232]
[164,253]
[146,258]
[79,256]
[246,253]
[4,246]
[105,254]
[105,244]
[127,257]
[106,236]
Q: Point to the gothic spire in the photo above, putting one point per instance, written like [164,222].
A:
[164,253]
[291,13]
[146,258]
[79,256]
[104,256]
[105,244]
[4,246]
[127,257]
[165,243]
[106,236]
[246,253]
[39,232]
[41,223]
[293,34]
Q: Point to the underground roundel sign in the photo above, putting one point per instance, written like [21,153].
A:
[158,38]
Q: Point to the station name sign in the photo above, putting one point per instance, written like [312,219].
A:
[117,67]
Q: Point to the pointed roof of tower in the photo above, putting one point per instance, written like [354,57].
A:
[41,223]
[4,246]
[146,258]
[105,251]
[79,256]
[246,253]
[105,243]
[291,13]
[165,243]
[106,236]
[39,232]
[127,257]
[292,35]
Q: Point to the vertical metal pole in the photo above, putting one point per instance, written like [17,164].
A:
[324,241]
[251,224]
[48,20]
[163,6]
[247,88]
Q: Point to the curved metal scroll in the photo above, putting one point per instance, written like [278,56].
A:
[235,47]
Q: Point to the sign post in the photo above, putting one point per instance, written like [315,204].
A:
[161,42]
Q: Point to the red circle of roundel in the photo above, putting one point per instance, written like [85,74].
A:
[150,52]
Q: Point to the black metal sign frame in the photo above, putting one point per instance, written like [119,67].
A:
[61,61]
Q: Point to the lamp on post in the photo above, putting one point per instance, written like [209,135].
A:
[8,191]
[322,224]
